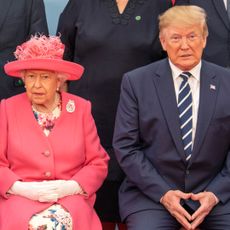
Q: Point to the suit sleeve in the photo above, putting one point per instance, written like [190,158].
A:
[38,22]
[220,184]
[94,170]
[129,149]
[7,177]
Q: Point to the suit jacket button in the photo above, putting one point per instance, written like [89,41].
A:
[46,153]
[47,174]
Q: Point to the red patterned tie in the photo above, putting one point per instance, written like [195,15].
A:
[173,2]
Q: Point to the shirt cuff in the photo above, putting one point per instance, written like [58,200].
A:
[217,200]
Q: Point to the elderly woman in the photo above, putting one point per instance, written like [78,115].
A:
[51,160]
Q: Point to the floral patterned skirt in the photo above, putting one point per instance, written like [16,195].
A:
[53,218]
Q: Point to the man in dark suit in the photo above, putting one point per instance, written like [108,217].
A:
[218,44]
[18,21]
[172,133]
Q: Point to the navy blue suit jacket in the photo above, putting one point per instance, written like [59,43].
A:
[218,43]
[147,138]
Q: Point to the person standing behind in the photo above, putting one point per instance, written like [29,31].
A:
[18,21]
[172,133]
[108,38]
[218,45]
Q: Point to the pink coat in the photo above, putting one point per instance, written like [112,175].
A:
[71,151]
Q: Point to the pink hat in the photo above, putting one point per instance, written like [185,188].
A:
[43,53]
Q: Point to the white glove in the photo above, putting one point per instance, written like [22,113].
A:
[61,189]
[34,190]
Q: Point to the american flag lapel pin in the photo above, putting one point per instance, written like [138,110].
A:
[212,87]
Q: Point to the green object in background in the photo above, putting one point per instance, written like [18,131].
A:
[138,18]
[19,82]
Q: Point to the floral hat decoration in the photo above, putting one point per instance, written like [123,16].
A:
[43,53]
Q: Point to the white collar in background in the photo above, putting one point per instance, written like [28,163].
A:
[225,3]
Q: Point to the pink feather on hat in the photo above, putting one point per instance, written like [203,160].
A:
[45,53]
[40,47]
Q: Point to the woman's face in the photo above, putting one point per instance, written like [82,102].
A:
[41,86]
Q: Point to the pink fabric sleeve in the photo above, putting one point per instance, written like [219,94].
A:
[94,171]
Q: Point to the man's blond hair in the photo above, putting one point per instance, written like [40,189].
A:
[184,16]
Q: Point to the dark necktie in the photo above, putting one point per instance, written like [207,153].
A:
[185,113]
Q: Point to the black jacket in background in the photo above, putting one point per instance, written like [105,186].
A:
[218,44]
[18,20]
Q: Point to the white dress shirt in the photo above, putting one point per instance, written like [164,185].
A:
[225,3]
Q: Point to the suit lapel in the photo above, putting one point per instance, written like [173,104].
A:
[221,10]
[166,93]
[208,94]
[5,5]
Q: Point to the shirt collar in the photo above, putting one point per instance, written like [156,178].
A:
[225,4]
[194,71]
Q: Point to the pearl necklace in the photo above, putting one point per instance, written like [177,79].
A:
[47,120]
[48,110]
